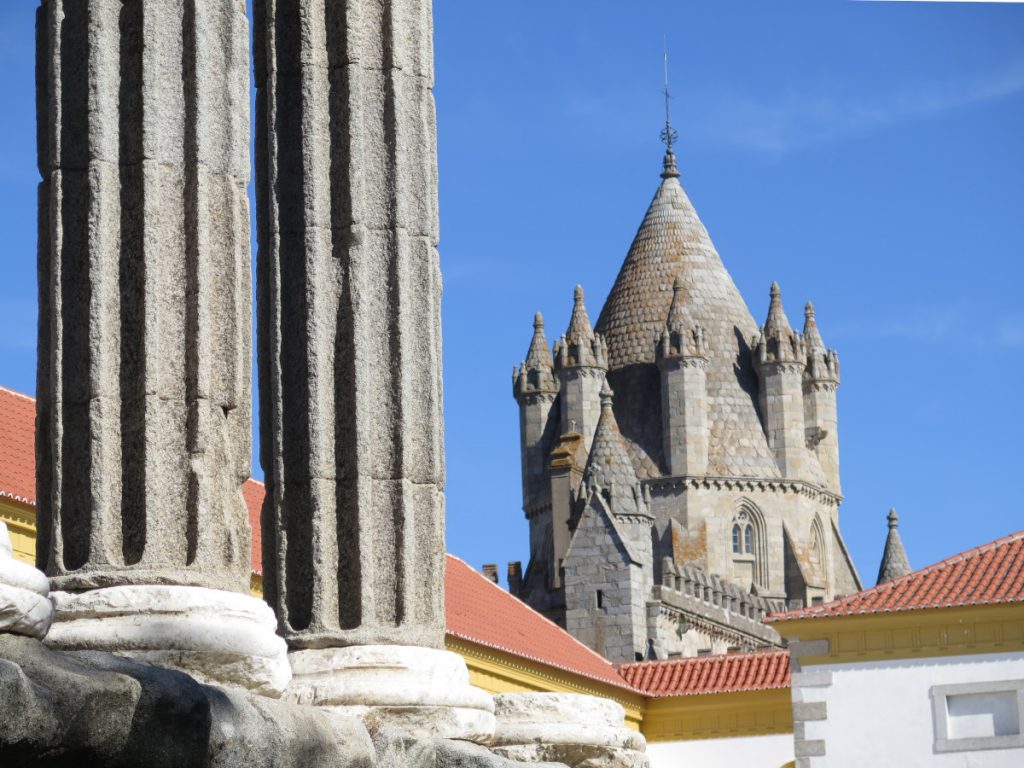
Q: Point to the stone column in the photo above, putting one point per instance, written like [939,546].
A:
[144,402]
[349,291]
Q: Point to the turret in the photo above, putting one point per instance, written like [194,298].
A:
[779,359]
[581,360]
[682,355]
[821,380]
[894,558]
[609,472]
[535,388]
[608,568]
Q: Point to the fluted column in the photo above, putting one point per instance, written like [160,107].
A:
[349,313]
[349,291]
[144,402]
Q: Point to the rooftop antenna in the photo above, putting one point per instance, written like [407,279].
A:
[668,134]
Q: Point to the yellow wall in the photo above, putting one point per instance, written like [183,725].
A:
[21,524]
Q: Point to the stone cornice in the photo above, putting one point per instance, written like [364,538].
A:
[718,715]
[749,484]
[927,633]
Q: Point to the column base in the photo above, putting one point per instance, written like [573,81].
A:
[217,637]
[422,692]
[565,728]
[25,607]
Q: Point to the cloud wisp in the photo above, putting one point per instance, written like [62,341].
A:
[798,119]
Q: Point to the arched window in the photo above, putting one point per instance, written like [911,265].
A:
[817,542]
[749,539]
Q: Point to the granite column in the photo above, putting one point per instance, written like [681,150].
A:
[349,291]
[144,402]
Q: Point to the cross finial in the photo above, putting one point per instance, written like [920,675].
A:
[668,134]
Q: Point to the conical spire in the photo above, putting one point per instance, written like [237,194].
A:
[678,314]
[539,354]
[579,324]
[580,346]
[536,374]
[822,362]
[671,242]
[777,323]
[894,558]
[812,337]
[681,336]
[609,469]
[777,341]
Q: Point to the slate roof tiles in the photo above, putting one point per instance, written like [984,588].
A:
[672,242]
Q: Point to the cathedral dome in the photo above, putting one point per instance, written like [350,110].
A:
[672,244]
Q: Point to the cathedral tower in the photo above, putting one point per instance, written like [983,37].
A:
[717,464]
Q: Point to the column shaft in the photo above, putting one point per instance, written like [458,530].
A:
[143,424]
[349,321]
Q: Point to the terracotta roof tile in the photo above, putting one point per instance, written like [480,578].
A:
[481,612]
[990,574]
[755,671]
[253,491]
[17,448]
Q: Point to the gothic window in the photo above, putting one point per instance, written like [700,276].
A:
[816,549]
[750,542]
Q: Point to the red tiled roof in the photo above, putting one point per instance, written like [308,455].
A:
[755,671]
[480,611]
[987,575]
[17,446]
[253,491]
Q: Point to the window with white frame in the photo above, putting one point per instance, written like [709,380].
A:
[975,716]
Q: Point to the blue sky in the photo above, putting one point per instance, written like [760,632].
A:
[867,156]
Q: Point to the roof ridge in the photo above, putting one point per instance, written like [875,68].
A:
[711,657]
[508,594]
[16,393]
[823,610]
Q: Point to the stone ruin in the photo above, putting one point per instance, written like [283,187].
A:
[141,645]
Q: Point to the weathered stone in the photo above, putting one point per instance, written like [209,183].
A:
[396,750]
[574,729]
[219,637]
[419,691]
[143,410]
[144,373]
[349,292]
[25,606]
[87,709]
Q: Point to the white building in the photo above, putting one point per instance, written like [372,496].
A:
[923,670]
